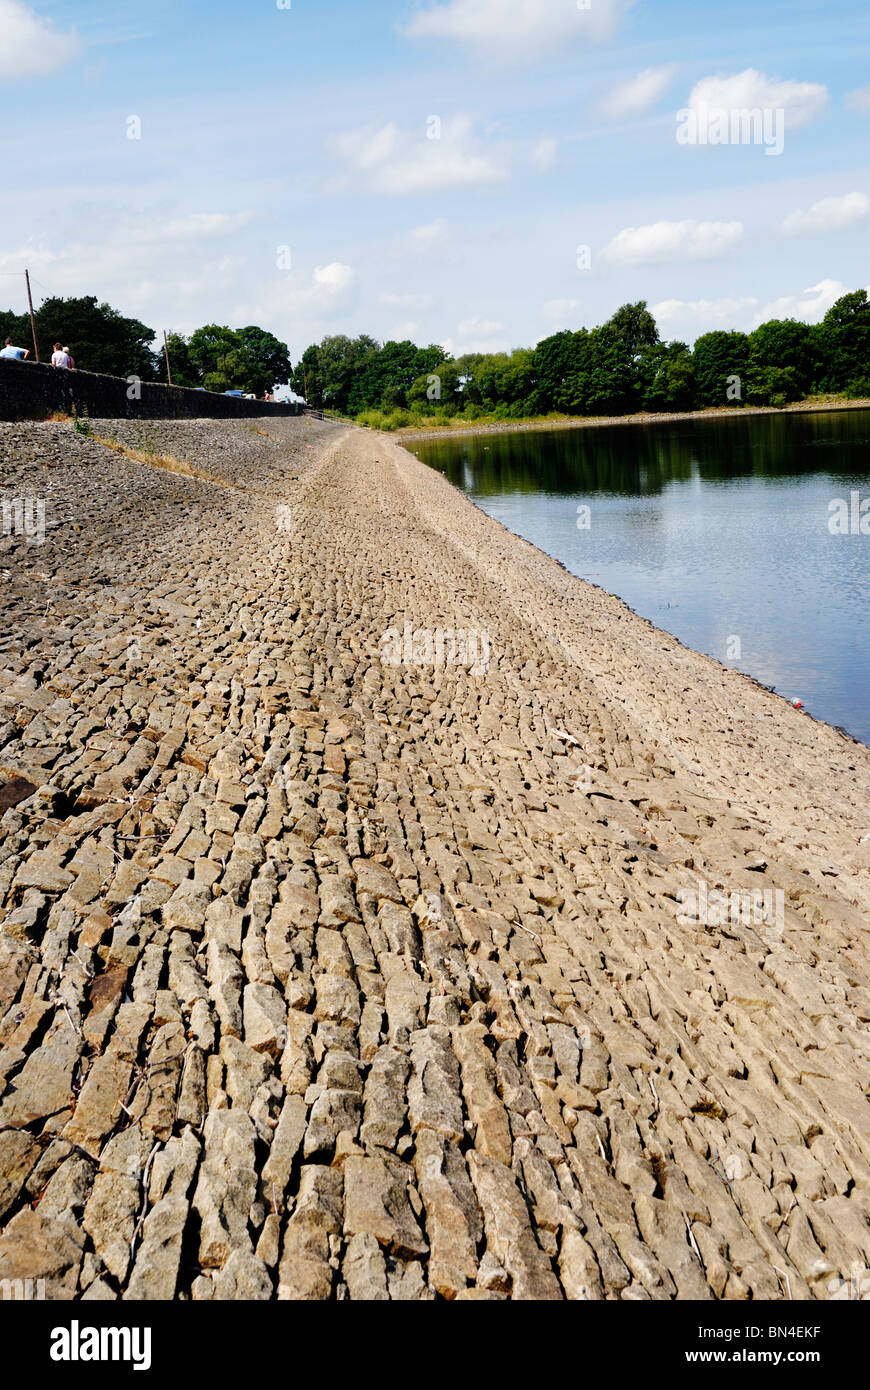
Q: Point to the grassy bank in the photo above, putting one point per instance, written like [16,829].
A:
[412,425]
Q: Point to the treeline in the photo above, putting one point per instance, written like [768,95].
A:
[100,338]
[103,340]
[229,359]
[619,368]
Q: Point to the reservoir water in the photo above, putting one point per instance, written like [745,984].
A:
[741,535]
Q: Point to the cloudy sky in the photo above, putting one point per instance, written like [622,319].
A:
[433,169]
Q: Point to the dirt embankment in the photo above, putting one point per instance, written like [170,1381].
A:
[361,928]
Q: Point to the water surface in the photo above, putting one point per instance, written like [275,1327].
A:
[717,530]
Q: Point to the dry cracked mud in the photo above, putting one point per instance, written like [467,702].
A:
[326,973]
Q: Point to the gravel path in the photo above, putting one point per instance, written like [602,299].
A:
[363,929]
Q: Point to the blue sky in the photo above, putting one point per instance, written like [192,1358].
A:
[286,173]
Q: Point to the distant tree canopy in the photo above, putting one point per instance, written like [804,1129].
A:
[228,359]
[103,340]
[351,375]
[843,339]
[620,367]
[100,338]
[617,368]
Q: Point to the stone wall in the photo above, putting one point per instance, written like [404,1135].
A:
[32,391]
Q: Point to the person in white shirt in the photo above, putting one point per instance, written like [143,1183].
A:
[60,357]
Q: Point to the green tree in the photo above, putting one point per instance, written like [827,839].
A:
[439,388]
[184,373]
[351,375]
[214,351]
[719,358]
[16,327]
[263,361]
[580,388]
[605,371]
[769,385]
[325,376]
[625,347]
[306,379]
[98,336]
[670,382]
[843,339]
[506,383]
[553,360]
[787,345]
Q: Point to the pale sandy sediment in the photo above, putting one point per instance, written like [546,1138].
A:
[371,975]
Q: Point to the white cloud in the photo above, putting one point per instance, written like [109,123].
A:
[544,155]
[702,315]
[392,161]
[562,313]
[431,240]
[829,214]
[369,148]
[752,90]
[305,301]
[477,335]
[811,304]
[673,241]
[210,276]
[135,275]
[405,301]
[184,281]
[30,46]
[639,94]
[203,224]
[477,325]
[402,331]
[330,281]
[695,316]
[430,235]
[518,28]
[859,100]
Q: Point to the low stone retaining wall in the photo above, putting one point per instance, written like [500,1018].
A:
[32,391]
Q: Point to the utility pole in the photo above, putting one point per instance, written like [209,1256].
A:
[166,354]
[32,320]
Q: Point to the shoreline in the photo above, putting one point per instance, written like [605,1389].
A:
[428,951]
[604,421]
[663,631]
[747,675]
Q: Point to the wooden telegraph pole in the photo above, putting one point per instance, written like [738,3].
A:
[166,354]
[32,320]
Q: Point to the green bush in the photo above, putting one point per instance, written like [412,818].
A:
[858,390]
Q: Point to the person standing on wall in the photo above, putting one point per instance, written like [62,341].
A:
[10,350]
